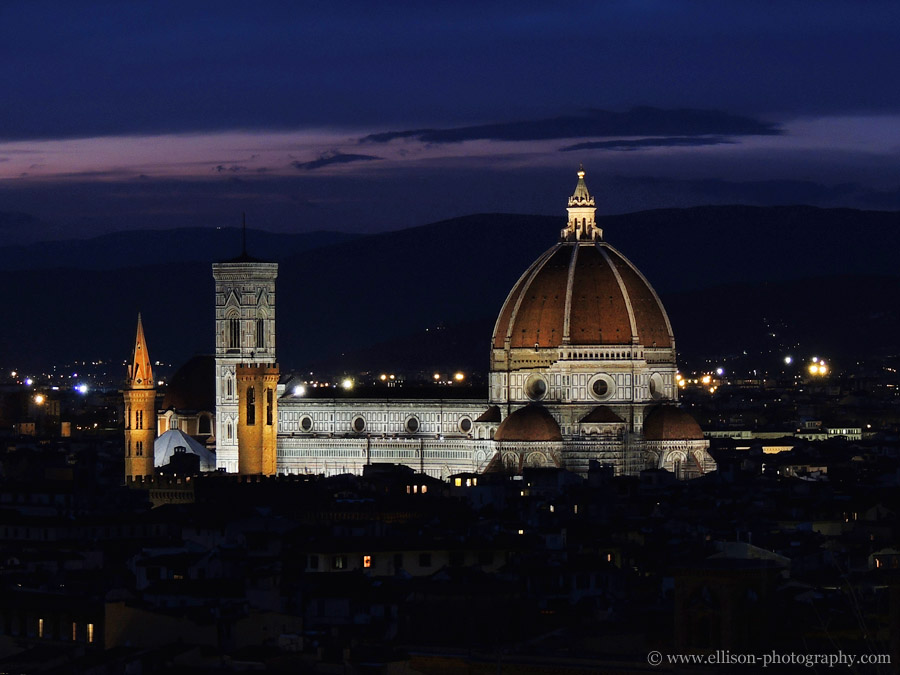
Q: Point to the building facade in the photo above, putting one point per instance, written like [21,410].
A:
[582,369]
[582,363]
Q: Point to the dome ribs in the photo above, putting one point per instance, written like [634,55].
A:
[650,318]
[539,318]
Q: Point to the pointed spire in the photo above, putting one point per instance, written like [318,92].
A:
[140,372]
[581,196]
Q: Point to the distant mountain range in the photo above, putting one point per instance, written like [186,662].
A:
[123,250]
[730,277]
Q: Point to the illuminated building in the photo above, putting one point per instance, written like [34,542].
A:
[582,369]
[140,410]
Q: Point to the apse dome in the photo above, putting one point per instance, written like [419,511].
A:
[533,423]
[670,423]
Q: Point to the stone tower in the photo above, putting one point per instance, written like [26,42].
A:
[140,410]
[245,336]
[257,386]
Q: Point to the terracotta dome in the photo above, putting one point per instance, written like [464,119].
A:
[532,423]
[193,386]
[670,423]
[609,302]
[582,291]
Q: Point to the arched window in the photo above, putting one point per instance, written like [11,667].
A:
[229,386]
[228,433]
[233,331]
[261,333]
[251,406]
[270,404]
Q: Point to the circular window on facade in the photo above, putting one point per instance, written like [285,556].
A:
[412,424]
[358,424]
[657,388]
[465,425]
[602,387]
[535,387]
[306,423]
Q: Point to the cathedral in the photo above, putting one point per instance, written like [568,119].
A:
[582,369]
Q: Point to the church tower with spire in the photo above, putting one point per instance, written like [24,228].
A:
[245,363]
[140,410]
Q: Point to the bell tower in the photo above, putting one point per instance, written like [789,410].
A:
[245,336]
[140,410]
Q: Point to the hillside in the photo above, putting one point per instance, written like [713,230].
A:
[718,268]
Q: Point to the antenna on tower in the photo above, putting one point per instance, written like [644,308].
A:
[244,232]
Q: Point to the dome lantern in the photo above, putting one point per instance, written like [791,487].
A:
[582,225]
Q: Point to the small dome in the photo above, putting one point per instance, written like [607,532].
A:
[532,423]
[670,423]
[193,386]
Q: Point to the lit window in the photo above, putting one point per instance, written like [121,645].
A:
[90,632]
[40,628]
[408,489]
[424,489]
[521,531]
[367,561]
[457,482]
[74,631]
[474,481]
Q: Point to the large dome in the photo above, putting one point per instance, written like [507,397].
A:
[582,292]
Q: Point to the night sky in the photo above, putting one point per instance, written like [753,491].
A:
[375,116]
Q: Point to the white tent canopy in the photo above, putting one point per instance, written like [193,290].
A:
[165,446]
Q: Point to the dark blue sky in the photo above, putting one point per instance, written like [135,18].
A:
[367,116]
